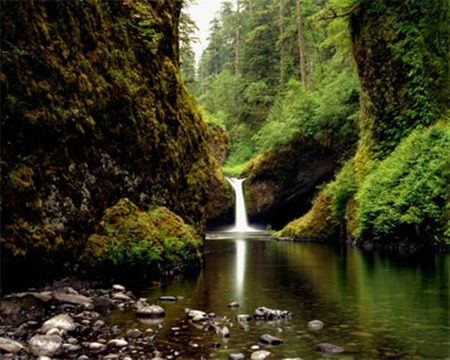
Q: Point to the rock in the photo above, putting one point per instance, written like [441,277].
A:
[133,333]
[61,321]
[118,343]
[263,313]
[267,339]
[327,348]
[234,304]
[103,305]
[151,311]
[45,345]
[239,356]
[168,298]
[9,345]
[75,299]
[315,325]
[96,347]
[121,297]
[262,355]
[196,315]
[243,318]
[225,332]
[118,287]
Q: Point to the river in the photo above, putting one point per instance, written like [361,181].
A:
[374,304]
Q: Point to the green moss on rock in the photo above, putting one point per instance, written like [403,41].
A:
[143,241]
[93,111]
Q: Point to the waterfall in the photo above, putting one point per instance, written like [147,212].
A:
[240,221]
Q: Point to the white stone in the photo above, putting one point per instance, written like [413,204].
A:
[45,345]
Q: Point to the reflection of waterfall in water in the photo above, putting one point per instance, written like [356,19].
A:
[240,221]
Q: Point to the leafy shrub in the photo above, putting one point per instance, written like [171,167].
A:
[407,196]
[342,189]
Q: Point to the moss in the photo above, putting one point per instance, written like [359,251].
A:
[318,223]
[94,110]
[21,178]
[143,241]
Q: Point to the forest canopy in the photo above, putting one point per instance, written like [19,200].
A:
[369,77]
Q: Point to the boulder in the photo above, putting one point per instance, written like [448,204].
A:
[45,345]
[151,311]
[9,345]
[61,322]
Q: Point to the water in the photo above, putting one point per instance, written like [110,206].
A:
[375,305]
[241,220]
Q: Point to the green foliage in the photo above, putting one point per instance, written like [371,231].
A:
[341,190]
[402,55]
[407,196]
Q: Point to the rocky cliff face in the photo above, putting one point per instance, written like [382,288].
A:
[282,183]
[93,111]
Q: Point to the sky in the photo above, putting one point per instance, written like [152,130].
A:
[202,12]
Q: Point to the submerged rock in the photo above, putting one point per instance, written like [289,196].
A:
[315,325]
[267,339]
[151,311]
[327,348]
[263,313]
[261,355]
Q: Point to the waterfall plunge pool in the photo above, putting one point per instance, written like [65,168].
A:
[375,305]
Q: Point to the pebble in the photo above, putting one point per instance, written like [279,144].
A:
[261,355]
[315,325]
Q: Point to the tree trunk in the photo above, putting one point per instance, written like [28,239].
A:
[301,44]
[282,54]
[238,26]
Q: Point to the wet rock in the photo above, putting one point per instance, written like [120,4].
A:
[267,339]
[103,305]
[19,308]
[315,325]
[243,318]
[9,345]
[239,356]
[133,333]
[234,304]
[96,347]
[168,298]
[72,298]
[121,297]
[197,315]
[45,345]
[263,313]
[327,348]
[224,332]
[151,311]
[61,322]
[262,355]
[119,288]
[119,343]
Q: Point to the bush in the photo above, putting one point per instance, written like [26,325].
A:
[407,197]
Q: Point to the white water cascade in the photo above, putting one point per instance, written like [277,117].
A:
[240,222]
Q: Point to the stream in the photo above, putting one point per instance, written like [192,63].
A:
[373,304]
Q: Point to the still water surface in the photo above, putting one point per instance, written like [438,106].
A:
[375,305]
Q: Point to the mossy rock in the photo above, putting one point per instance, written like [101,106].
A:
[131,238]
[317,224]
